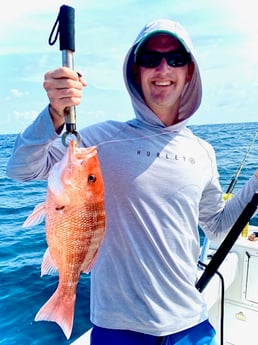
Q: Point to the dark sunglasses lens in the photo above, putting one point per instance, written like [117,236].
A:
[148,59]
[177,59]
[153,59]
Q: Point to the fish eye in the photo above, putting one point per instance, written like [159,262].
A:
[92,178]
[60,208]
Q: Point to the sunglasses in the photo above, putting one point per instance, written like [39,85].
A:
[152,59]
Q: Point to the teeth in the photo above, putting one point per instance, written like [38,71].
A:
[163,83]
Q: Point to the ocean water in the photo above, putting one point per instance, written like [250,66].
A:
[23,291]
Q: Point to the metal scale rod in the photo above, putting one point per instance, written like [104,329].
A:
[65,27]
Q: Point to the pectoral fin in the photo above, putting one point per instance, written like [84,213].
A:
[36,217]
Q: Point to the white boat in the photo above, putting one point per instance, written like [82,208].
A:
[240,303]
[233,302]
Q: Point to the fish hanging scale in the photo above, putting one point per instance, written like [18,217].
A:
[64,28]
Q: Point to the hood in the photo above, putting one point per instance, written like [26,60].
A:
[191,97]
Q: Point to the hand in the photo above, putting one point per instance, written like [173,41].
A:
[64,89]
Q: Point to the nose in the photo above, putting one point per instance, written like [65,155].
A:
[163,64]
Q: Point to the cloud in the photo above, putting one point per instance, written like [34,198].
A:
[17,121]
[25,115]
[17,93]
[224,35]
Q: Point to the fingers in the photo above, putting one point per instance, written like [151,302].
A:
[64,88]
[80,76]
[65,72]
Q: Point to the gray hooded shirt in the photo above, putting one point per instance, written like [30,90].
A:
[160,183]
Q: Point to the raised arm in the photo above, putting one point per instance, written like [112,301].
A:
[36,149]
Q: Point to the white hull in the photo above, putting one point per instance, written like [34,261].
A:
[241,296]
[240,273]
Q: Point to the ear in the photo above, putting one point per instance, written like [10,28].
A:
[190,71]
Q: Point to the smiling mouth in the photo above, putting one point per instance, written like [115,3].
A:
[163,83]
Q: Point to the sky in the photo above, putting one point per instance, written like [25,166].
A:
[224,35]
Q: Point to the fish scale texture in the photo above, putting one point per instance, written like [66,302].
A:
[75,228]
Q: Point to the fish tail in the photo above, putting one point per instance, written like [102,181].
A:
[59,309]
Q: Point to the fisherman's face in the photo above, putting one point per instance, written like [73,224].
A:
[163,85]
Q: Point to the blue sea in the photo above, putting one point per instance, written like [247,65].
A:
[23,291]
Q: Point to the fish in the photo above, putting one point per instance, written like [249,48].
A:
[75,221]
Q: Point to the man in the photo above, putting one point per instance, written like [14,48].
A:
[160,182]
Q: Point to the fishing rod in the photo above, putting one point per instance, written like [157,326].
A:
[232,236]
[64,26]
[206,242]
[234,179]
[228,243]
